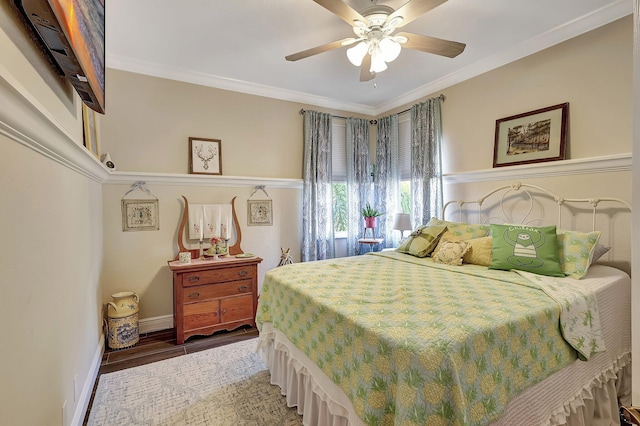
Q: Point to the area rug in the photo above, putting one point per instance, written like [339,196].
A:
[228,385]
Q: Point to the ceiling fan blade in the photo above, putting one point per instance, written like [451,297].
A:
[319,49]
[413,9]
[342,10]
[365,74]
[434,45]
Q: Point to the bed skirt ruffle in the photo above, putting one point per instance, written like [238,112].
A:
[323,403]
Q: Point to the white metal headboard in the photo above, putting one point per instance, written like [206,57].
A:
[525,190]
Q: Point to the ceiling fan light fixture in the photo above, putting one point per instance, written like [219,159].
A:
[377,62]
[389,49]
[357,53]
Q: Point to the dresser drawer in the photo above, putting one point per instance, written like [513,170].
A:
[213,291]
[217,275]
[236,308]
[198,315]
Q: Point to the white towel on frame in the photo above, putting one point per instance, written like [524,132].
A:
[196,221]
[213,219]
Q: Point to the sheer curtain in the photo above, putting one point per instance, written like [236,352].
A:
[387,178]
[426,161]
[358,179]
[317,204]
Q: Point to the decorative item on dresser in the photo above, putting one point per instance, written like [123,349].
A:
[226,233]
[213,295]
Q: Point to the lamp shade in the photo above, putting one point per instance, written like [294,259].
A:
[390,49]
[357,53]
[401,222]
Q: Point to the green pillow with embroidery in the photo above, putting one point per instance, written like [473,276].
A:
[526,248]
[423,240]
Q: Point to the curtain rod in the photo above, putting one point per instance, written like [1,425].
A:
[441,96]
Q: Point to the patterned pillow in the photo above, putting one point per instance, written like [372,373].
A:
[526,248]
[451,252]
[446,236]
[576,250]
[465,231]
[423,240]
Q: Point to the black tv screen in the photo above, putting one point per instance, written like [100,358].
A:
[72,31]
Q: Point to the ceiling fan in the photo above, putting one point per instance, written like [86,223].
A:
[375,44]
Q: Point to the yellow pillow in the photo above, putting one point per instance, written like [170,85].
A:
[480,251]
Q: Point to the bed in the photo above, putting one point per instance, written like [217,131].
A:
[393,338]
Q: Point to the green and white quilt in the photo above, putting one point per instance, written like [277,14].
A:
[412,342]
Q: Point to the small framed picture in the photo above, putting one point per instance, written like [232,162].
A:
[259,212]
[532,137]
[205,156]
[140,215]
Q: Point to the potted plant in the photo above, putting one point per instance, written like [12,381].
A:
[370,214]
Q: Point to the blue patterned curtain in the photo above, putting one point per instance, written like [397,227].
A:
[387,178]
[358,179]
[317,204]
[426,161]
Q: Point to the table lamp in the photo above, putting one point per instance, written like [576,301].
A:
[401,222]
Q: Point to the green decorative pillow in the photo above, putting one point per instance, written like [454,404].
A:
[462,230]
[526,248]
[576,250]
[423,240]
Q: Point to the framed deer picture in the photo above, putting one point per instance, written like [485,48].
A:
[205,156]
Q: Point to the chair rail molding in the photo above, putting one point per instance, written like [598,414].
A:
[578,166]
[120,177]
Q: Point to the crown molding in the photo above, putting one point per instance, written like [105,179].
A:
[579,166]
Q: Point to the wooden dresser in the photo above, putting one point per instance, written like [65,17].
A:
[212,295]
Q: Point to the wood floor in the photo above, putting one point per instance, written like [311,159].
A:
[161,345]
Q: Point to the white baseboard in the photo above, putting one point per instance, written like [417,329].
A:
[87,388]
[148,325]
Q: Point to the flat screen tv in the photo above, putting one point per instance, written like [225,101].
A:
[72,32]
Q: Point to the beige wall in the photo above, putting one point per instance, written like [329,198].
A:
[150,120]
[51,252]
[592,72]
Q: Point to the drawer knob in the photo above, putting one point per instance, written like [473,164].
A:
[243,288]
[224,311]
[243,272]
[194,279]
[194,295]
